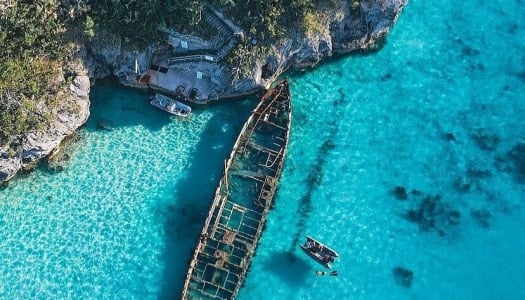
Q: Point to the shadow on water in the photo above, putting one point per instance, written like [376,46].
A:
[314,178]
[184,219]
[337,59]
[290,268]
[112,108]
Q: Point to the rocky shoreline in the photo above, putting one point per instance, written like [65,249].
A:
[345,30]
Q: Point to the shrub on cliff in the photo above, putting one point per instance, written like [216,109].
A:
[31,28]
[32,39]
[27,87]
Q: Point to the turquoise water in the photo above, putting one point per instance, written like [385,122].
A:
[121,220]
[437,111]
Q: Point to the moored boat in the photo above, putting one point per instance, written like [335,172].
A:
[170,105]
[320,252]
[242,201]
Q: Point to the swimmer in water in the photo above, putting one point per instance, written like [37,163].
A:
[323,273]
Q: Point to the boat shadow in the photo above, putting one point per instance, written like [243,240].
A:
[115,106]
[288,267]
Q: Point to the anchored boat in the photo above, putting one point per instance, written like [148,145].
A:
[242,200]
[320,252]
[170,105]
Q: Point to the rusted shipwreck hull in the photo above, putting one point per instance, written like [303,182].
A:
[242,200]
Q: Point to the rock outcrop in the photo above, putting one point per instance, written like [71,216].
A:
[34,146]
[356,25]
[344,30]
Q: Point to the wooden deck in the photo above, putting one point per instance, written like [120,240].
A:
[241,202]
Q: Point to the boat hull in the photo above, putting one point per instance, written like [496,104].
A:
[242,201]
[170,105]
[317,258]
[319,252]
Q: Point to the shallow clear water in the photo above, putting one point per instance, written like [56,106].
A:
[436,111]
[121,220]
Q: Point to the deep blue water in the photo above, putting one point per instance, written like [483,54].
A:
[437,111]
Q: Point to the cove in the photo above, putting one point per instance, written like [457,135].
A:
[436,111]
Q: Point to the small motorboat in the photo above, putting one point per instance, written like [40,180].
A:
[170,105]
[320,252]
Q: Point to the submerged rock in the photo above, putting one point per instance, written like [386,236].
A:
[55,168]
[469,51]
[58,160]
[449,137]
[403,276]
[104,124]
[478,170]
[416,192]
[432,214]
[473,177]
[481,216]
[513,162]
[485,139]
[454,217]
[400,192]
[517,156]
[386,77]
[3,184]
[462,184]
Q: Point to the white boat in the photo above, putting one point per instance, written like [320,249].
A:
[320,252]
[170,105]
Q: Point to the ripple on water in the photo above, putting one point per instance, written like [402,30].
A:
[437,111]
[434,111]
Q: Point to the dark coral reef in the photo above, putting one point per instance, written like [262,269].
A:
[513,162]
[403,276]
[429,212]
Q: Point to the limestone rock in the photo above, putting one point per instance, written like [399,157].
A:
[80,86]
[34,146]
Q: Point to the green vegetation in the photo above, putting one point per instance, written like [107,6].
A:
[37,38]
[30,28]
[311,24]
[265,20]
[27,86]
[244,55]
[268,20]
[139,19]
[31,35]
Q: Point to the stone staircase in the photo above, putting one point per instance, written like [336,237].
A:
[231,34]
[216,22]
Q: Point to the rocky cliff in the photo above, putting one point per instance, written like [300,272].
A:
[33,146]
[349,28]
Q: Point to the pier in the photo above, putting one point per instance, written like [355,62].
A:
[242,201]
